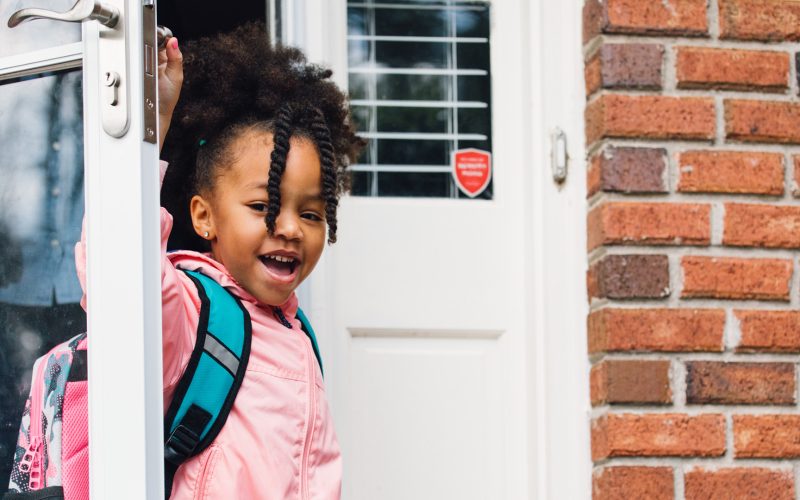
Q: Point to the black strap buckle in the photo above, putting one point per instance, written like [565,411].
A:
[180,444]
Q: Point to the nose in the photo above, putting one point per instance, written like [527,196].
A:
[287,225]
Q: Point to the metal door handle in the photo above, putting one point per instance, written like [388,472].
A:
[83,10]
[163,35]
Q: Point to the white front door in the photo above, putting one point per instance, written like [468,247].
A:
[423,296]
[43,66]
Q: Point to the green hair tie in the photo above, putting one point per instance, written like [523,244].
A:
[202,142]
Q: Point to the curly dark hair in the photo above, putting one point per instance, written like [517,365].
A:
[236,82]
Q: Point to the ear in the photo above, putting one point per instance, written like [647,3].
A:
[202,217]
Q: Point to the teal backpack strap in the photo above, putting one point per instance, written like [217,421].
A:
[205,393]
[305,324]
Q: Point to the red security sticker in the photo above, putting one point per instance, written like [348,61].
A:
[472,170]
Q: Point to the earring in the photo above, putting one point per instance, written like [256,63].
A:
[205,235]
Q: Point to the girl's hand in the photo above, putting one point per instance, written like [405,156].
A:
[170,79]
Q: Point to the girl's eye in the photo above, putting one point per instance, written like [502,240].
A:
[259,207]
[311,216]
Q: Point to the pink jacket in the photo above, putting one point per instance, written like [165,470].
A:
[279,441]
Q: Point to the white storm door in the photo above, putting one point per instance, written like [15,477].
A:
[122,193]
[423,299]
[122,200]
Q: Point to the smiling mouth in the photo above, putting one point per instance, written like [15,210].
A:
[279,265]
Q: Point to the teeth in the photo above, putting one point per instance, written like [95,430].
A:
[280,258]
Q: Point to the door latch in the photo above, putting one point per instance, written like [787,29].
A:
[558,155]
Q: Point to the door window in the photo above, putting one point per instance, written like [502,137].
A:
[419,80]
[35,36]
[41,205]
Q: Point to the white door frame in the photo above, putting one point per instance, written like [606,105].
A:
[551,237]
[124,283]
[557,357]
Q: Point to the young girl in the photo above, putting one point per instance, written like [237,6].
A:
[264,138]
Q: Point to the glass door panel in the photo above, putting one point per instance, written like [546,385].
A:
[35,35]
[41,205]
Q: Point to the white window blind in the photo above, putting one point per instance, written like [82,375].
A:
[419,78]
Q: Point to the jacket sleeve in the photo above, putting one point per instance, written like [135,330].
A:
[180,304]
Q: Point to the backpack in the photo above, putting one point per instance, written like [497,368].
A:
[52,455]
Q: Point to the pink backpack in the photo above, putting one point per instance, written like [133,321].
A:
[49,464]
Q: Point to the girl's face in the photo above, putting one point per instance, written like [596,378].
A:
[268,266]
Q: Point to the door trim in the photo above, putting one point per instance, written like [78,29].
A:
[124,263]
[558,366]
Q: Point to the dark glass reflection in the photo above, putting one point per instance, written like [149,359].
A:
[412,54]
[401,119]
[397,22]
[412,87]
[413,152]
[471,23]
[358,85]
[435,185]
[41,206]
[357,21]
[358,53]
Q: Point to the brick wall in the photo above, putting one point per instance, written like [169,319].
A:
[693,133]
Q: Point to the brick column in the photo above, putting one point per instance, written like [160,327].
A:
[693,130]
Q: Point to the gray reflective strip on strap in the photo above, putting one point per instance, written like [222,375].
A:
[221,353]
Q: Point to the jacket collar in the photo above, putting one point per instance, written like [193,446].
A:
[202,262]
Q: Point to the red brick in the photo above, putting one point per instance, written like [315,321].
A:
[630,382]
[731,172]
[630,66]
[628,170]
[767,20]
[593,19]
[751,483]
[732,69]
[592,75]
[629,277]
[633,223]
[626,483]
[796,179]
[762,226]
[658,435]
[762,121]
[650,117]
[594,175]
[715,382]
[667,330]
[769,331]
[645,17]
[766,436]
[734,278]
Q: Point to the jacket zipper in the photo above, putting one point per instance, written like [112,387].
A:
[32,459]
[312,413]
[312,401]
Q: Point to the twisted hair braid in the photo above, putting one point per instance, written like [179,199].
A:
[322,137]
[288,122]
[282,131]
